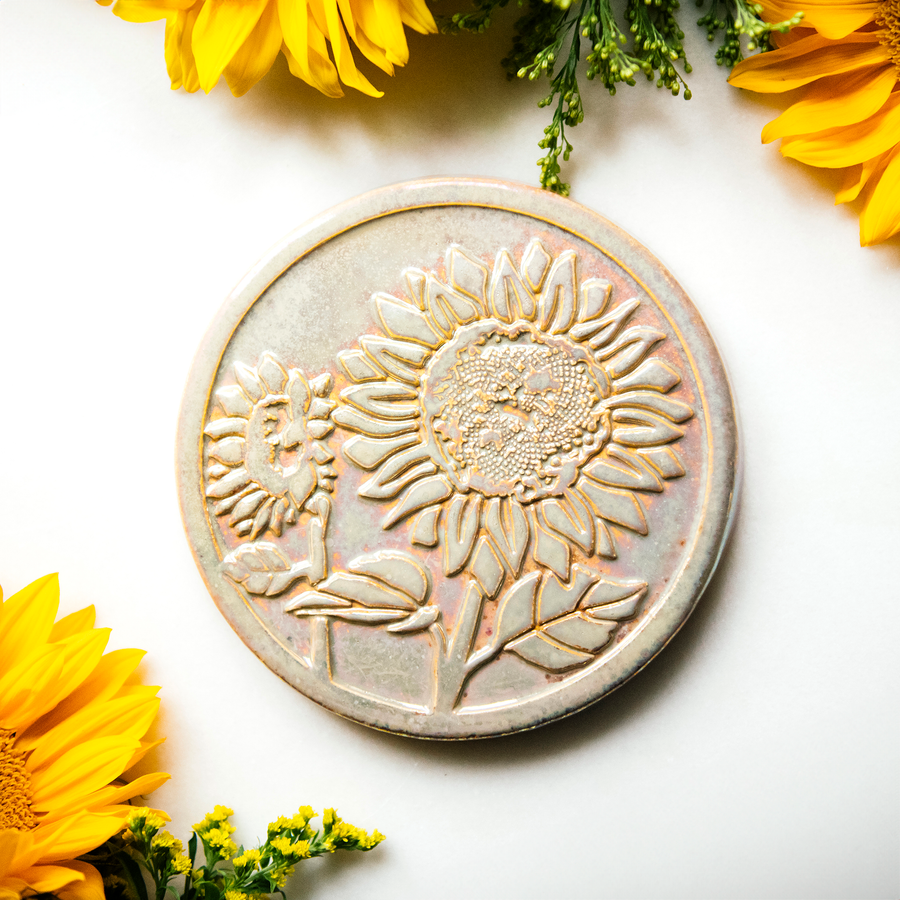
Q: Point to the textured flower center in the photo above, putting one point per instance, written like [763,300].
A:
[888,17]
[271,453]
[514,411]
[15,786]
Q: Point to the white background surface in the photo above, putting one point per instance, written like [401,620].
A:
[757,757]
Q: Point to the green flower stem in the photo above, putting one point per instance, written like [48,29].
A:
[548,38]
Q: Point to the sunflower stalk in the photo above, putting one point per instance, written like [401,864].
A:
[548,41]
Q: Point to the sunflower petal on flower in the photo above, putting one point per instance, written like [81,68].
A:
[65,740]
[240,39]
[846,60]
[831,19]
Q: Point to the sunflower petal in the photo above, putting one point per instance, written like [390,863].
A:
[104,681]
[340,47]
[460,531]
[833,102]
[507,524]
[807,60]
[104,800]
[81,620]
[880,218]
[294,19]
[317,69]
[125,716]
[144,748]
[83,833]
[836,148]
[81,770]
[180,62]
[418,16]
[26,619]
[13,845]
[49,879]
[148,10]
[375,33]
[24,687]
[91,888]
[76,657]
[832,20]
[221,28]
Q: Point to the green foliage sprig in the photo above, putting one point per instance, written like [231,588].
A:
[143,861]
[549,38]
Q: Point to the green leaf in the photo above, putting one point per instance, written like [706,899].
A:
[133,875]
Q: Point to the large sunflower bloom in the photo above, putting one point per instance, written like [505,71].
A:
[71,722]
[846,60]
[240,39]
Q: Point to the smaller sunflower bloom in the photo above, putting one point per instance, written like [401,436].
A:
[846,60]
[240,39]
[72,720]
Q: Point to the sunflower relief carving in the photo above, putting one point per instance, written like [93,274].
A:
[512,417]
[509,418]
[268,465]
[512,412]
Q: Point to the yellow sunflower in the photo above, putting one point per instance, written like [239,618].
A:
[240,39]
[846,60]
[71,722]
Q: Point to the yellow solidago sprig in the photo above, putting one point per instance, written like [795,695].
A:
[144,861]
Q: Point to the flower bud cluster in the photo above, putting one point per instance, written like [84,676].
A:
[550,35]
[737,20]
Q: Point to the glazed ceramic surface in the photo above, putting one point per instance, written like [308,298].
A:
[457,458]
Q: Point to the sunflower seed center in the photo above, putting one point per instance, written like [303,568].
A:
[516,411]
[15,786]
[888,17]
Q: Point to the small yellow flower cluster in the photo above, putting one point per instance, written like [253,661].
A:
[143,837]
[338,833]
[167,840]
[289,850]
[182,864]
[229,872]
[346,833]
[142,818]
[178,859]
[220,840]
[215,831]
[297,822]
[249,859]
[214,819]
